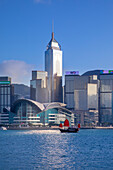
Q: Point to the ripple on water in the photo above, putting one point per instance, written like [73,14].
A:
[88,149]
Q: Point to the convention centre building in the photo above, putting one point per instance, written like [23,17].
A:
[26,111]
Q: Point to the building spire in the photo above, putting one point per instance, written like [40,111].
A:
[52,29]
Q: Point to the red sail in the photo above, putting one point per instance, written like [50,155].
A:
[66,122]
[79,125]
[60,125]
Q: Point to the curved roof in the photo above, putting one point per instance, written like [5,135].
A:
[39,105]
[92,72]
[44,107]
[53,105]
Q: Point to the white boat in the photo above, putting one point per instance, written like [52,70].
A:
[3,128]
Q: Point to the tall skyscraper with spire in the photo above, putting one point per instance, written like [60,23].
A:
[53,65]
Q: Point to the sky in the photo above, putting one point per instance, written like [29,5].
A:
[84,29]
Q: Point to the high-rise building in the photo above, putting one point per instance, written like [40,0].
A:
[6,98]
[105,95]
[38,86]
[90,96]
[53,66]
[106,98]
[81,96]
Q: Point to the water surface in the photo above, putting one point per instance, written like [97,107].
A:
[34,149]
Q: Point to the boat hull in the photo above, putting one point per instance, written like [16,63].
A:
[69,130]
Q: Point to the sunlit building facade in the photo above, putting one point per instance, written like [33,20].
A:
[53,66]
[38,86]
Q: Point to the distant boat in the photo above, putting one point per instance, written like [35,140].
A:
[68,129]
[3,128]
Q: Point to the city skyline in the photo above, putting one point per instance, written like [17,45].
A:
[83,28]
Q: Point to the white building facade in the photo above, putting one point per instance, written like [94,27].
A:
[53,66]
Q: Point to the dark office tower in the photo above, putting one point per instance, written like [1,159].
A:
[6,96]
[81,96]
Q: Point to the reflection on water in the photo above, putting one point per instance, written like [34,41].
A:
[40,132]
[36,149]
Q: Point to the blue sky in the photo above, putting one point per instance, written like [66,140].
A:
[84,28]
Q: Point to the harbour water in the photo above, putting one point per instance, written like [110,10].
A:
[41,149]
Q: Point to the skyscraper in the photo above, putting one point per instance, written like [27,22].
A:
[6,98]
[6,93]
[38,86]
[53,65]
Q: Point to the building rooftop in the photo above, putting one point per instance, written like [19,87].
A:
[53,44]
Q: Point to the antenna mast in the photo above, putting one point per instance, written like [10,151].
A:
[52,29]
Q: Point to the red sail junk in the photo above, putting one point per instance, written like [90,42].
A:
[66,123]
[60,125]
[79,125]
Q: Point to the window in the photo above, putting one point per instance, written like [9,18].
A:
[106,100]
[106,116]
[106,85]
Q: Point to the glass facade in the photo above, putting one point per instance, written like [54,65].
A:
[92,96]
[93,91]
[53,66]
[40,75]
[106,100]
[106,116]
[5,96]
[26,111]
[38,86]
[106,85]
[54,117]
[80,98]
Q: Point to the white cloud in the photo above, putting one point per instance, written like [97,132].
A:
[19,71]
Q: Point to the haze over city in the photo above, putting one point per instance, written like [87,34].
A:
[82,27]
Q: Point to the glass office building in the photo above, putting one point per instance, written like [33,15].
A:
[38,86]
[90,96]
[106,99]
[6,98]
[53,66]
